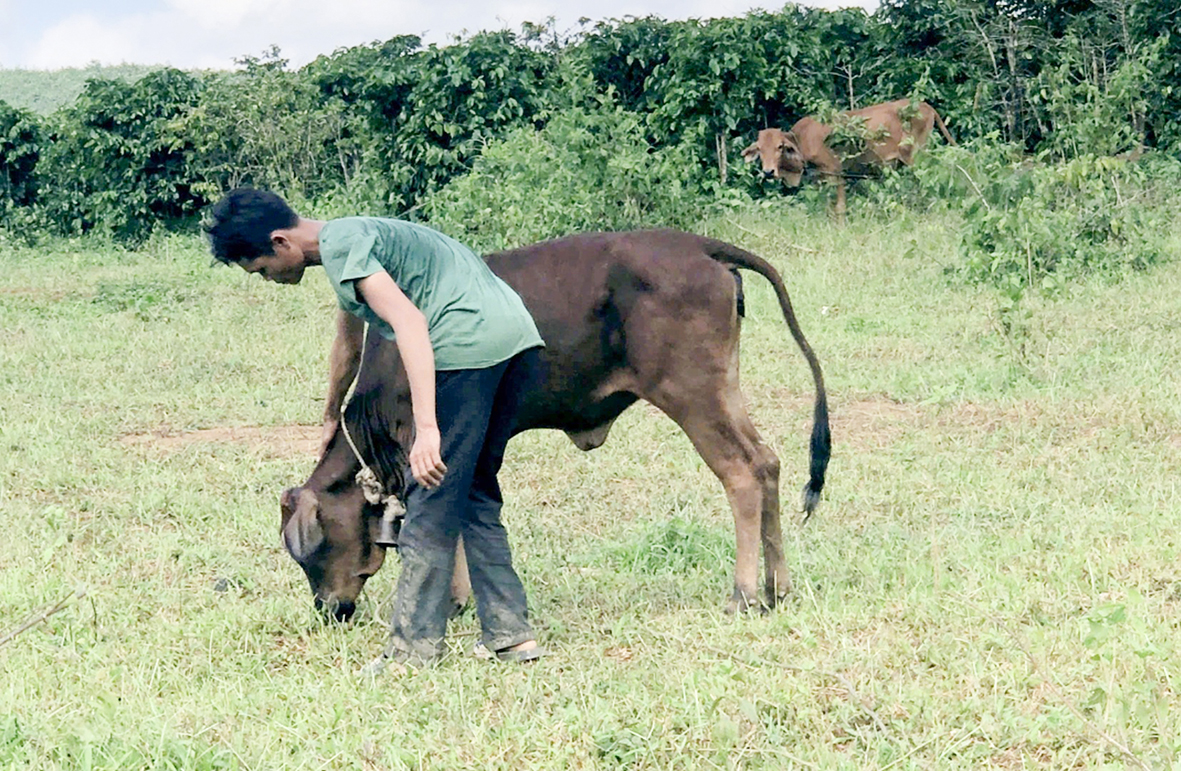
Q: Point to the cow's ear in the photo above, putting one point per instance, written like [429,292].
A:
[302,534]
[749,153]
[287,502]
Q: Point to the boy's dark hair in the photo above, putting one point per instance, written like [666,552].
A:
[241,223]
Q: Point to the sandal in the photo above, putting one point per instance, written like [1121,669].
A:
[480,651]
[521,656]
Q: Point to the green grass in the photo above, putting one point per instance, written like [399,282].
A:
[991,581]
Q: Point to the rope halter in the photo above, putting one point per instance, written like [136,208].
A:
[371,486]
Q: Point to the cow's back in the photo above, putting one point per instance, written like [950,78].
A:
[609,306]
[810,136]
[898,139]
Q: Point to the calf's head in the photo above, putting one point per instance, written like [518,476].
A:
[779,153]
[331,534]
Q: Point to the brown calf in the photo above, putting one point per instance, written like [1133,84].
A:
[652,315]
[893,131]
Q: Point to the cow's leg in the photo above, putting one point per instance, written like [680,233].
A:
[840,211]
[718,426]
[461,581]
[777,581]
[765,468]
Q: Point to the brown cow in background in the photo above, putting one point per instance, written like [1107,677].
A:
[893,131]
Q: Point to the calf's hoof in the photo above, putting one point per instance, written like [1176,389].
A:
[458,606]
[744,602]
[777,594]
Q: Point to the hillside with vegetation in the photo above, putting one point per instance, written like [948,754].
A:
[44,91]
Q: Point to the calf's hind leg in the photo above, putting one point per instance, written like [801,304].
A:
[718,426]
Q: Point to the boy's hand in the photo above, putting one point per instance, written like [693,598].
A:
[426,460]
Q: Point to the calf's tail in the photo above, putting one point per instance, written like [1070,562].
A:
[821,445]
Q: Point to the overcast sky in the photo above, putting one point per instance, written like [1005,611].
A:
[48,34]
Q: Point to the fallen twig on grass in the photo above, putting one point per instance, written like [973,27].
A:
[39,616]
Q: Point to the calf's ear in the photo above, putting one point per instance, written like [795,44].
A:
[302,533]
[287,502]
[750,153]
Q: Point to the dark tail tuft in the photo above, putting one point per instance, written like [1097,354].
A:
[821,452]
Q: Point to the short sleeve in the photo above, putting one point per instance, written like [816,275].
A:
[360,263]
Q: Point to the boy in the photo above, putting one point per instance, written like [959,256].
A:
[468,345]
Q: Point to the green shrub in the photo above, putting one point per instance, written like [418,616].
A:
[1035,225]
[587,169]
[1043,224]
[20,147]
[267,127]
[117,162]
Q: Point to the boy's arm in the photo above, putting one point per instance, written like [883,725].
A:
[342,369]
[384,297]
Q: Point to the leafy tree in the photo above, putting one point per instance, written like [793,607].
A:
[836,60]
[1095,103]
[711,83]
[117,160]
[376,76]
[374,82]
[995,48]
[620,56]
[431,111]
[464,95]
[922,44]
[20,148]
[270,127]
[1068,76]
[1156,25]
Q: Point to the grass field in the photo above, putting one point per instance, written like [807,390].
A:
[992,580]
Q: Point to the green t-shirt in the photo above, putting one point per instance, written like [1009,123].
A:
[475,320]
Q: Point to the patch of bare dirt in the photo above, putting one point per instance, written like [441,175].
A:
[873,422]
[282,441]
[869,422]
[33,292]
[864,422]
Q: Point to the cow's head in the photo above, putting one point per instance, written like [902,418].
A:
[328,527]
[779,152]
[331,536]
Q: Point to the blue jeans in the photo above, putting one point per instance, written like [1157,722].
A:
[476,410]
